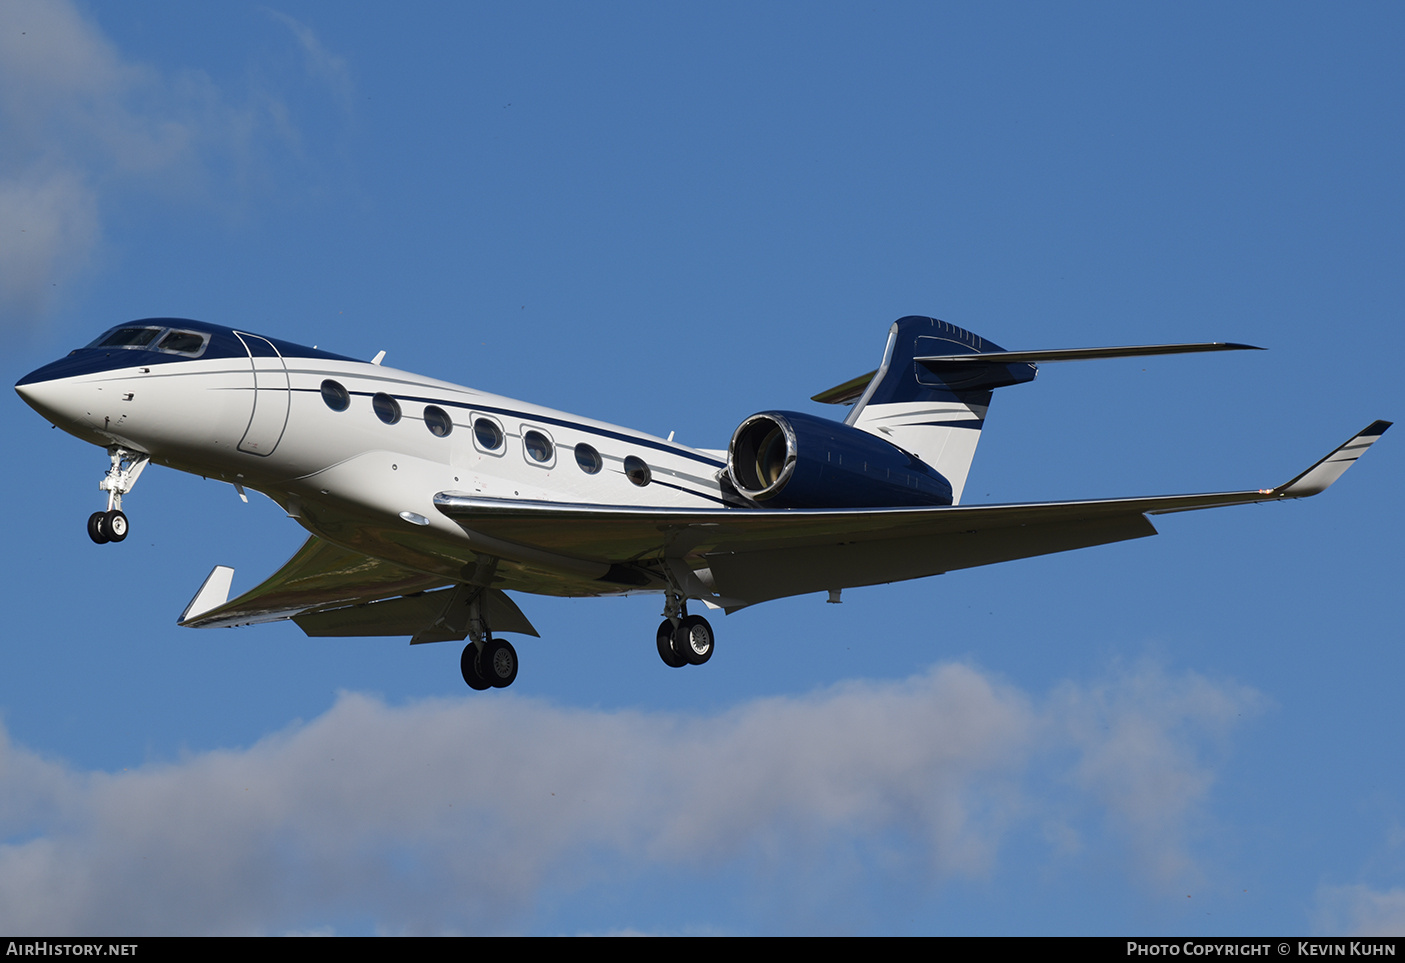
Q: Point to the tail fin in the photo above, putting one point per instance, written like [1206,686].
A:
[930,395]
[934,409]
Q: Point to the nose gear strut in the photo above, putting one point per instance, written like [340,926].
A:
[111,525]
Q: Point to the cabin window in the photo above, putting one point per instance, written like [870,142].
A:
[387,409]
[486,434]
[637,471]
[538,447]
[438,422]
[336,397]
[588,458]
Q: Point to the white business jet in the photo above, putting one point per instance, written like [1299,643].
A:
[428,501]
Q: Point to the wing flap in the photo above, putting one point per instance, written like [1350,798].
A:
[779,573]
[439,616]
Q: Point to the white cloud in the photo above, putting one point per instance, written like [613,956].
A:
[1361,911]
[457,816]
[322,65]
[80,125]
[48,229]
[1139,739]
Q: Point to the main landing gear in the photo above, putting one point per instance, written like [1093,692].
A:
[683,639]
[486,663]
[490,664]
[111,525]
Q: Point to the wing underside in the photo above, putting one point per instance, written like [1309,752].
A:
[330,591]
[743,556]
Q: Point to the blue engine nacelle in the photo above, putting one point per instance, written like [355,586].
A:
[787,459]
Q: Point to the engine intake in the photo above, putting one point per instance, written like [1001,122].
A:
[787,459]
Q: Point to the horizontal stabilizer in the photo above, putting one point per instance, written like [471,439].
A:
[1045,355]
[848,392]
[851,390]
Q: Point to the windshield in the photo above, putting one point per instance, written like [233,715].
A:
[128,337]
[191,344]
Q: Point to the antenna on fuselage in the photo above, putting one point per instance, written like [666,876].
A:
[380,356]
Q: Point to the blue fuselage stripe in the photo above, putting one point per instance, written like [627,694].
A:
[536,417]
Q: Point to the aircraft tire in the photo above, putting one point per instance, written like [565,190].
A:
[97,528]
[665,640]
[693,640]
[114,525]
[499,663]
[468,665]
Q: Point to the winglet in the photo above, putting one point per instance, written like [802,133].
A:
[212,594]
[1321,475]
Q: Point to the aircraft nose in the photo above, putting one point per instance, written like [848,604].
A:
[42,397]
[56,398]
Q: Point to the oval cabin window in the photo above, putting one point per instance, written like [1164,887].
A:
[538,446]
[588,458]
[637,471]
[336,397]
[487,433]
[387,409]
[438,422]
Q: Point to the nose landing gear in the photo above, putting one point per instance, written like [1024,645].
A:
[107,526]
[111,525]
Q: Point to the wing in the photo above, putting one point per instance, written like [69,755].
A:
[737,557]
[329,590]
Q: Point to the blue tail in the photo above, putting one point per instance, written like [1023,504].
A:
[928,404]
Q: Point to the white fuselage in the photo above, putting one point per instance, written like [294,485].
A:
[350,477]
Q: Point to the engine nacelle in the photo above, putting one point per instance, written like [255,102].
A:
[787,459]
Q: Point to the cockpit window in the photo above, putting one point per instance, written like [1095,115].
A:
[191,343]
[127,338]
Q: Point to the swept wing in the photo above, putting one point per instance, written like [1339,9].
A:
[744,556]
[330,591]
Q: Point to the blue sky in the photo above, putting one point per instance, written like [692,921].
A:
[670,217]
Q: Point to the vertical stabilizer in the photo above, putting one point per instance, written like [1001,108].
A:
[934,409]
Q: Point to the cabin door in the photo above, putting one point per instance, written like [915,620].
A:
[269,416]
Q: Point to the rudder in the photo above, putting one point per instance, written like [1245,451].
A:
[929,405]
